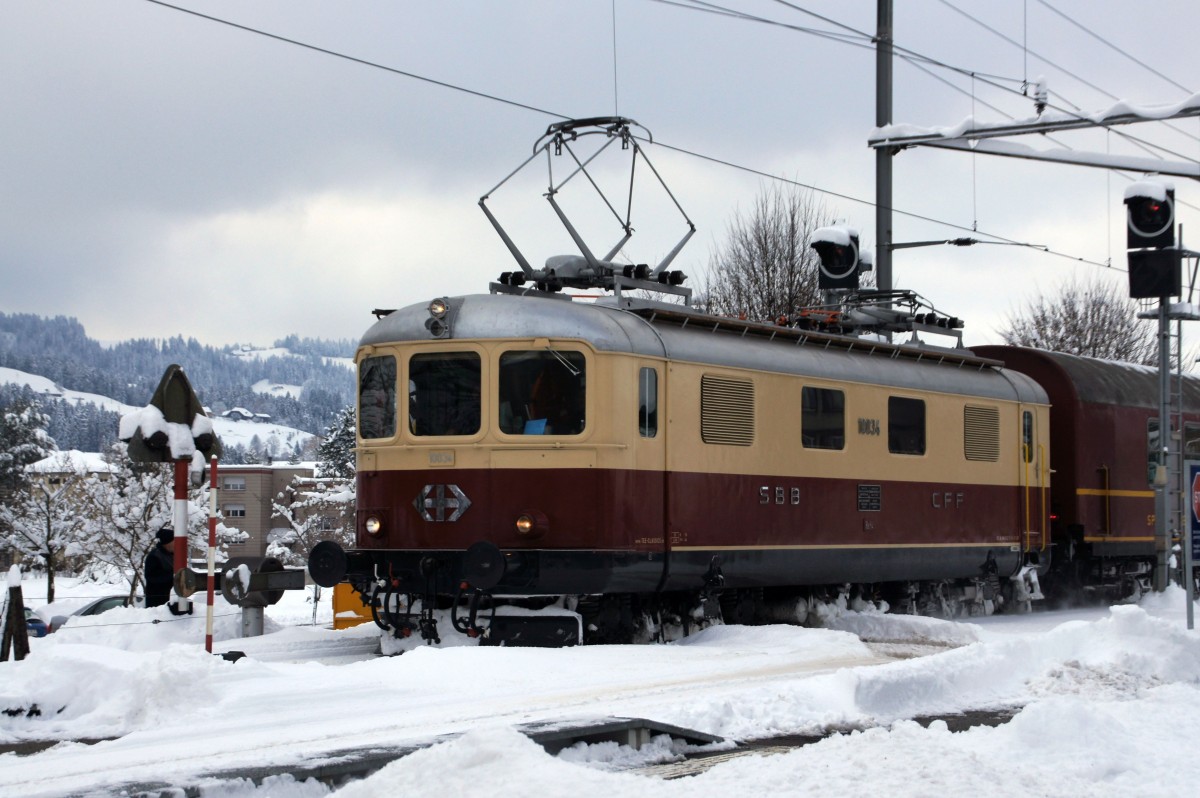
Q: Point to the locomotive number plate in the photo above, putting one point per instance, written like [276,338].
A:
[442,459]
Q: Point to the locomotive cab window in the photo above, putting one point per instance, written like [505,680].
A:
[377,397]
[543,392]
[906,425]
[822,418]
[444,393]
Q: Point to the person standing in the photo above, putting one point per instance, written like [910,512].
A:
[159,572]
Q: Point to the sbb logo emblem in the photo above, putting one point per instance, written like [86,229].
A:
[433,503]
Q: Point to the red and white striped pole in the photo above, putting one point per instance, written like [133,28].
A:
[212,552]
[181,524]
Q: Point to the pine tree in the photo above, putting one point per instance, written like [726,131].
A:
[23,440]
[335,455]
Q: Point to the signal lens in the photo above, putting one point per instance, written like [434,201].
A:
[373,526]
[525,525]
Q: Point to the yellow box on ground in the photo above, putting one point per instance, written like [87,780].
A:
[348,609]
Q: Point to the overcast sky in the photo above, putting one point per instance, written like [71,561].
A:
[162,174]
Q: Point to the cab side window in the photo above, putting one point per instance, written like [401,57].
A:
[648,402]
[906,425]
[822,418]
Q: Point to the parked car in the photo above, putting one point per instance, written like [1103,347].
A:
[95,607]
[34,625]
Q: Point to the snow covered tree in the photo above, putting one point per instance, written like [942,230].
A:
[1092,319]
[315,509]
[23,440]
[766,268]
[335,455]
[44,520]
[126,507]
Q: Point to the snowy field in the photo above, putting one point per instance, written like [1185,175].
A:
[1107,702]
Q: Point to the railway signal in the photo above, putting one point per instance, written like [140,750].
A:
[1150,209]
[837,247]
[1150,237]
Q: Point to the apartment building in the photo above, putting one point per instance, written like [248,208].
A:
[246,495]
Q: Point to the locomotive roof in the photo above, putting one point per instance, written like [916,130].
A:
[656,329]
[1091,379]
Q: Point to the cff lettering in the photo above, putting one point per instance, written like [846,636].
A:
[945,500]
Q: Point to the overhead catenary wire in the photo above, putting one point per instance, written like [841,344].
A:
[1114,47]
[362,61]
[862,40]
[1046,60]
[528,107]
[859,200]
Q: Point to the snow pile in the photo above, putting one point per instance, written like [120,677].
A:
[1103,703]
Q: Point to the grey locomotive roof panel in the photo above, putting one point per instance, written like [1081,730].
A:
[611,328]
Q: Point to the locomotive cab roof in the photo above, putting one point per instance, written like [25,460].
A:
[675,332]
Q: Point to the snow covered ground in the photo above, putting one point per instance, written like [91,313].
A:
[1107,702]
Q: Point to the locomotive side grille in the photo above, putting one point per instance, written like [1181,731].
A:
[981,433]
[726,411]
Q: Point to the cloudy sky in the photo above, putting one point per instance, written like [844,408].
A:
[164,174]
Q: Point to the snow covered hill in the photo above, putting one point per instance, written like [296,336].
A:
[231,432]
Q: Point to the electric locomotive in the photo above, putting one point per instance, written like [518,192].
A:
[647,460]
[646,465]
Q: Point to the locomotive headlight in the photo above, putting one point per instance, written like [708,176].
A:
[373,526]
[532,524]
[438,322]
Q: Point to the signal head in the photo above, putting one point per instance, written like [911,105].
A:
[1151,216]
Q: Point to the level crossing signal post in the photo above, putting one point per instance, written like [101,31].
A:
[174,428]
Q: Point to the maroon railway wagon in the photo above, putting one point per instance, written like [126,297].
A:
[1103,432]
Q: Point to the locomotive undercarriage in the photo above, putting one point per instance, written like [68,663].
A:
[543,598]
[641,618]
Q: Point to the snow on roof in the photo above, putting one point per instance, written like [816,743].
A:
[1155,189]
[1121,108]
[73,461]
[838,234]
[277,389]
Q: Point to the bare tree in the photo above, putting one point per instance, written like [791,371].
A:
[766,269]
[1093,319]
